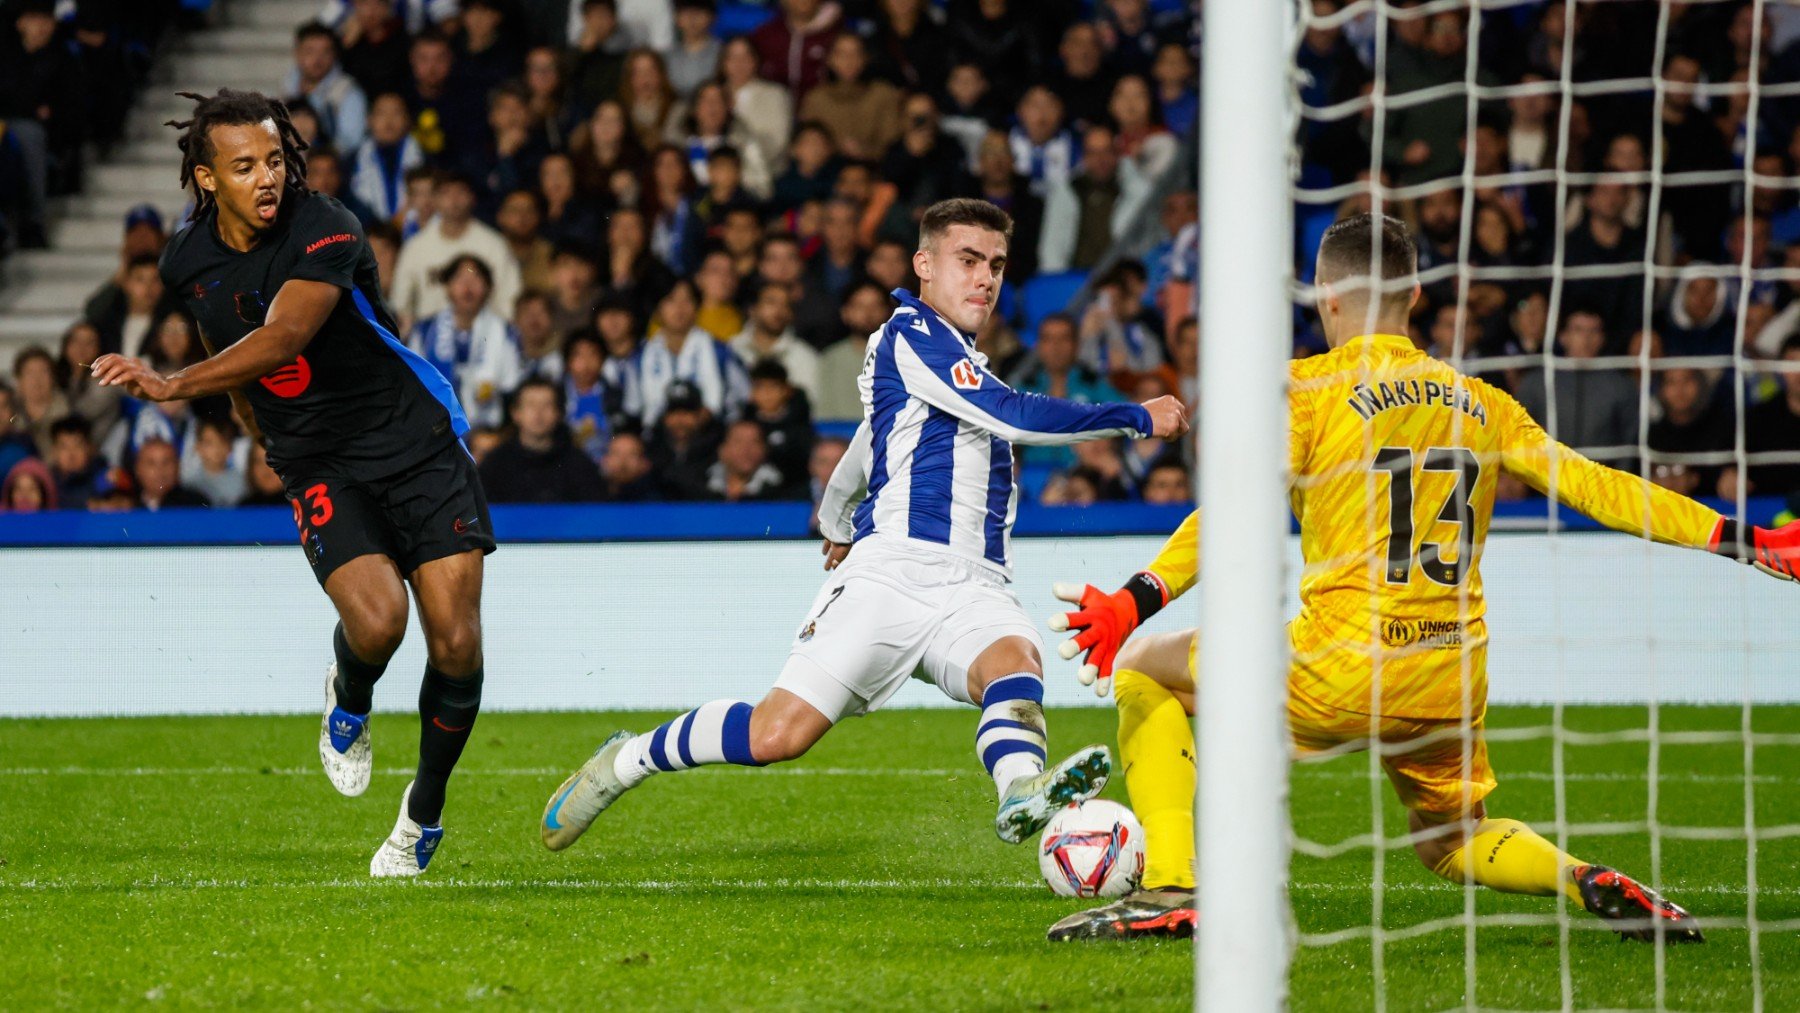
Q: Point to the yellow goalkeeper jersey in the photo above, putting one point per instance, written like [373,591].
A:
[1395,458]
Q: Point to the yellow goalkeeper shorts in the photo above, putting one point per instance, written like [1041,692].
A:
[1435,770]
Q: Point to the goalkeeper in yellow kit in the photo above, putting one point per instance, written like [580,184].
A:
[1394,459]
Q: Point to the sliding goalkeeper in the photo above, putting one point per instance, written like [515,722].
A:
[1394,459]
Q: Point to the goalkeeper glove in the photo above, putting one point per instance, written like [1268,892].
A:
[1104,621]
[1774,551]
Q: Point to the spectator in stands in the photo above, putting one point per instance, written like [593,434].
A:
[325,173]
[515,148]
[597,57]
[792,46]
[334,95]
[1083,216]
[214,470]
[717,282]
[419,205]
[115,491]
[74,464]
[381,162]
[999,183]
[633,272]
[647,96]
[742,471]
[811,170]
[907,44]
[1422,138]
[724,193]
[865,308]
[1121,338]
[38,402]
[539,463]
[779,264]
[571,218]
[621,338]
[487,51]
[1697,320]
[1177,94]
[1691,143]
[1595,408]
[681,354]
[98,405]
[770,337]
[28,488]
[40,103]
[540,347]
[786,419]
[1044,150]
[1772,427]
[707,124]
[694,59]
[837,263]
[263,487]
[1141,139]
[16,443]
[1081,76]
[684,442]
[1690,422]
[585,395]
[969,112]
[1763,291]
[469,343]
[575,290]
[519,218]
[1076,487]
[764,107]
[384,243]
[1054,368]
[374,46]
[627,472]
[1169,483]
[547,89]
[924,166]
[418,285]
[449,114]
[1604,238]
[1001,35]
[129,324]
[1184,355]
[158,475]
[827,452]
[890,265]
[862,115]
[144,236]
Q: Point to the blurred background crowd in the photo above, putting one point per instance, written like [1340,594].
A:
[647,241]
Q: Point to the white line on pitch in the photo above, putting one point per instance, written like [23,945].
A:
[662,885]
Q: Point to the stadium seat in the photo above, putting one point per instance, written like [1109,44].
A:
[1046,294]
[741,18]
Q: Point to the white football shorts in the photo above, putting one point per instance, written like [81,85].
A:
[891,613]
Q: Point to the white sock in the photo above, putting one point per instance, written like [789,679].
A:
[717,732]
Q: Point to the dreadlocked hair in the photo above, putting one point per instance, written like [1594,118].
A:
[230,107]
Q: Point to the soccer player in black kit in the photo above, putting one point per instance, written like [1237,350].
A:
[365,435]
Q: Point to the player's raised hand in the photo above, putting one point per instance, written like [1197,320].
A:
[1774,551]
[136,376]
[1102,622]
[1168,417]
[834,553]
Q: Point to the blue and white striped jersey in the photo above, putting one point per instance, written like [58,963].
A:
[935,445]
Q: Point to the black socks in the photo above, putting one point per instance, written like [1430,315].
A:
[356,678]
[447,710]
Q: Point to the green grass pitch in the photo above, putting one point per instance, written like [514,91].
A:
[204,862]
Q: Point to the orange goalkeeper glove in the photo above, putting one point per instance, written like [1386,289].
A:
[1774,551]
[1104,621]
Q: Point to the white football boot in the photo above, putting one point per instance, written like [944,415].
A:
[584,796]
[344,746]
[1031,801]
[408,850]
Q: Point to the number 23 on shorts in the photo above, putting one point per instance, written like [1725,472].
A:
[317,509]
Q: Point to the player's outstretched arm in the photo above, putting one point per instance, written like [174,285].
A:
[843,493]
[296,314]
[1105,621]
[938,369]
[240,405]
[1637,506]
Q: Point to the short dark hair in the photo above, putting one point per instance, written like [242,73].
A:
[1059,317]
[518,394]
[143,260]
[29,353]
[962,211]
[1345,249]
[72,425]
[725,151]
[769,369]
[313,30]
[383,229]
[221,424]
[462,260]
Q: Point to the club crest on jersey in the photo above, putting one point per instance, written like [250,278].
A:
[290,380]
[965,375]
[250,306]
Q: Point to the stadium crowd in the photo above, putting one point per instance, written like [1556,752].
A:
[647,241]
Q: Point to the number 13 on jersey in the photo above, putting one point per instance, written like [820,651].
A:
[1398,463]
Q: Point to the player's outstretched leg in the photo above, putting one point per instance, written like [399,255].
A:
[1156,750]
[781,727]
[345,747]
[1010,739]
[1518,860]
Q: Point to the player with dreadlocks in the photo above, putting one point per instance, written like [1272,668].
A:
[365,435]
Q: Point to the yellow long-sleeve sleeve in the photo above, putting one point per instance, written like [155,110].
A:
[1177,563]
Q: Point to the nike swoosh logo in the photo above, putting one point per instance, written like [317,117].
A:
[556,807]
[447,728]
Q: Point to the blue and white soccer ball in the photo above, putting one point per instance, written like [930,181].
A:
[1092,849]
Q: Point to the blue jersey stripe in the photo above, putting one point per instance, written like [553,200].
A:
[933,472]
[999,498]
[428,375]
[890,397]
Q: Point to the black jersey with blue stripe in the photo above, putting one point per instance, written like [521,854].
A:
[356,399]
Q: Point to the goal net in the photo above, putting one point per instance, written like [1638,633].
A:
[1604,194]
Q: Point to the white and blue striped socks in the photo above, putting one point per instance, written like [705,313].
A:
[717,732]
[1010,738]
